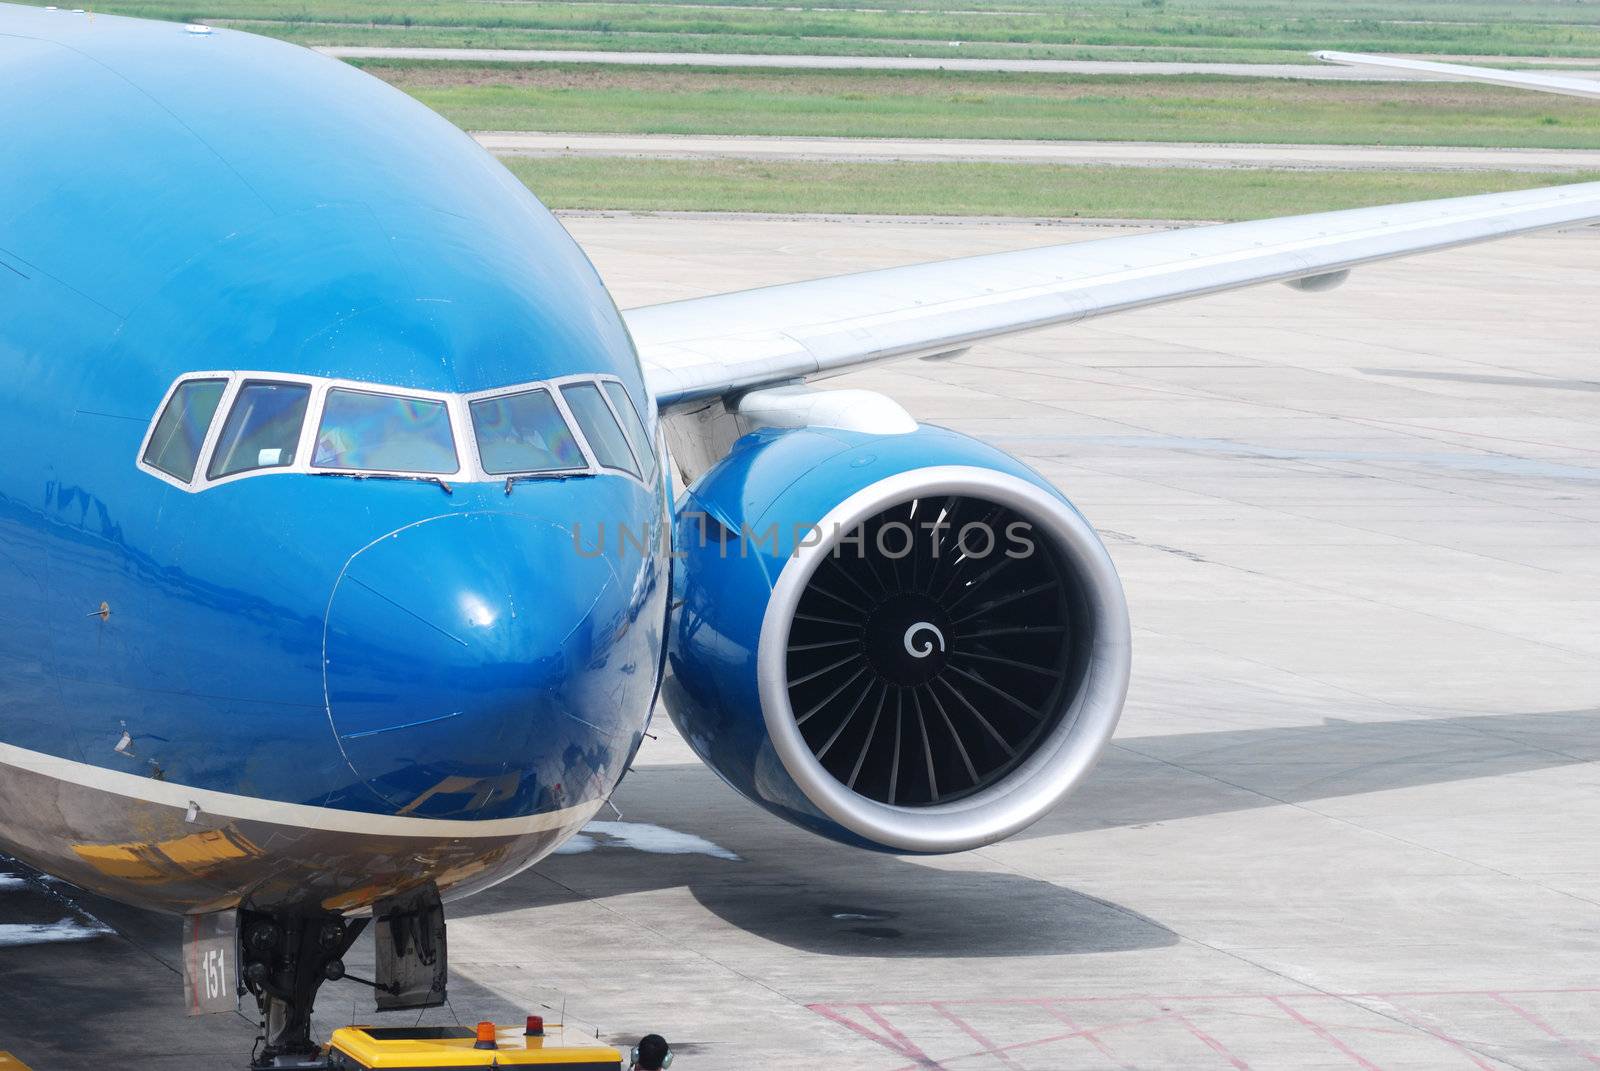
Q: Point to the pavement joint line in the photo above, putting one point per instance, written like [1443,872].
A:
[1090,1036]
[1132,997]
[1335,416]
[1209,1041]
[1476,1055]
[1349,823]
[1405,1026]
[1408,1021]
[1354,596]
[827,1012]
[600,903]
[1546,1027]
[1399,348]
[1239,954]
[1052,1039]
[1327,1035]
[975,1034]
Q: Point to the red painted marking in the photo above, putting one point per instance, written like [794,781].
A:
[1170,998]
[1215,1045]
[902,1046]
[908,1046]
[1546,1027]
[1400,1023]
[973,1033]
[1051,1040]
[1088,1035]
[1456,1043]
[1322,1032]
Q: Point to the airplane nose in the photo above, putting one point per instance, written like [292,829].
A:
[463,652]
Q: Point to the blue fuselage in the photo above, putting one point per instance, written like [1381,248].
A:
[290,687]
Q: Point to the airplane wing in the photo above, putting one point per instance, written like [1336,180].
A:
[1539,81]
[698,350]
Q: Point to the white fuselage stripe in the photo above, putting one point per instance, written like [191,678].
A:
[296,815]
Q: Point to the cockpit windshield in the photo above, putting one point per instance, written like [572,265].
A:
[524,432]
[384,433]
[179,435]
[605,435]
[263,428]
[215,427]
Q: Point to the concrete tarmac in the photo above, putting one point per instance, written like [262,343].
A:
[1061,153]
[1315,71]
[1347,821]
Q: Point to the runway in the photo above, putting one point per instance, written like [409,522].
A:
[1348,818]
[1061,153]
[1315,71]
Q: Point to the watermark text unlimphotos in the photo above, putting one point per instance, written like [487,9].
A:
[893,539]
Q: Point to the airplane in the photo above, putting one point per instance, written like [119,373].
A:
[342,561]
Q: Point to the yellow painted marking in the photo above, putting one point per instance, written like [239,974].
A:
[11,1063]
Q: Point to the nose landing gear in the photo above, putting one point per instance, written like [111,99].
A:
[286,959]
[282,958]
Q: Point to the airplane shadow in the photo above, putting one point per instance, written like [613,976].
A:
[1542,382]
[1165,778]
[821,898]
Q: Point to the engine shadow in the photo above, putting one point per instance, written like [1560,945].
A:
[817,897]
[789,887]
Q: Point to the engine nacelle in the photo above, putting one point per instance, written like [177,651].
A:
[906,642]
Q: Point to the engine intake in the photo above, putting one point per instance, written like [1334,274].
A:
[930,648]
[908,642]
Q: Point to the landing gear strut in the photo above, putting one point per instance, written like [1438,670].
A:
[286,959]
[287,956]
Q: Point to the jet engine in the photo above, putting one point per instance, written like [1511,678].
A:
[906,642]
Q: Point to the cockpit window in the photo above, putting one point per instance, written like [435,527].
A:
[384,433]
[174,446]
[640,438]
[524,433]
[263,428]
[216,427]
[605,435]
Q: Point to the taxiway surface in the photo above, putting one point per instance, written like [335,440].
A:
[954,62]
[1080,153]
[1347,821]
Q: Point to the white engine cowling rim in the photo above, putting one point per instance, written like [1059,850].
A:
[1058,761]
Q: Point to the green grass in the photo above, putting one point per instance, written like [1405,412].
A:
[1526,28]
[981,105]
[986,189]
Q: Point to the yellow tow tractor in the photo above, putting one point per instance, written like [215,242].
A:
[448,1048]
